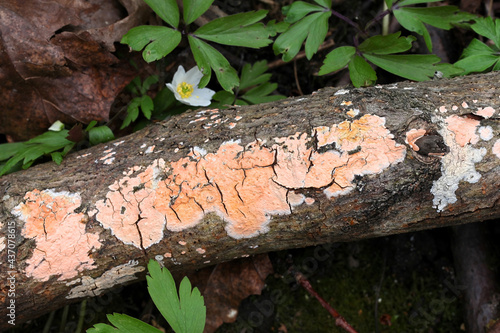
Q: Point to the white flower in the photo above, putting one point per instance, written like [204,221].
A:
[57,126]
[185,87]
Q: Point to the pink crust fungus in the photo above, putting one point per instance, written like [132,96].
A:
[62,244]
[245,186]
[486,113]
[496,148]
[412,136]
[464,129]
[128,210]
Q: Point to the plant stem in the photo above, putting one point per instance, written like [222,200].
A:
[339,320]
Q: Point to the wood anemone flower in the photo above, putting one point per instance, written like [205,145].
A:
[185,87]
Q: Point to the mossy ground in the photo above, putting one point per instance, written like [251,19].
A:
[411,295]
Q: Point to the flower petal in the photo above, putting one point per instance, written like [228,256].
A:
[193,76]
[179,76]
[200,97]
[174,90]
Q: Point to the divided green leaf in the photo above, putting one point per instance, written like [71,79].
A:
[27,152]
[208,57]
[313,27]
[123,324]
[238,30]
[415,67]
[361,73]
[185,312]
[194,9]
[415,19]
[166,9]
[337,59]
[479,57]
[489,29]
[388,44]
[100,134]
[160,41]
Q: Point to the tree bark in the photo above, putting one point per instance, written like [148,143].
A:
[213,185]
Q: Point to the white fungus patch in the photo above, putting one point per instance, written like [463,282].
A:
[485,133]
[90,287]
[341,92]
[456,166]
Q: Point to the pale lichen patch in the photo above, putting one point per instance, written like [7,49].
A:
[118,275]
[62,244]
[485,133]
[459,164]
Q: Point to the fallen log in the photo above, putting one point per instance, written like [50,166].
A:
[210,185]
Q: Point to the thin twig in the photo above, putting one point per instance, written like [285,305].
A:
[339,320]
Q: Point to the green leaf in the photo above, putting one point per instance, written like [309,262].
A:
[57,157]
[207,57]
[10,149]
[185,312]
[152,79]
[274,28]
[260,94]
[237,30]
[163,100]
[252,75]
[35,148]
[388,3]
[388,44]
[324,3]
[102,328]
[123,324]
[132,112]
[194,9]
[147,106]
[224,98]
[415,67]
[414,2]
[160,41]
[361,73]
[442,17]
[478,57]
[448,70]
[90,125]
[298,9]
[337,59]
[317,33]
[166,9]
[100,134]
[312,27]
[486,27]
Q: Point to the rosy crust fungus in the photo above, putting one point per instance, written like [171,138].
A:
[496,148]
[412,136]
[464,129]
[245,186]
[62,244]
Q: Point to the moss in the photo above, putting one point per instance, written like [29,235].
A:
[415,302]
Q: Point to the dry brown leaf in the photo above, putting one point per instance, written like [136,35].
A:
[224,286]
[55,61]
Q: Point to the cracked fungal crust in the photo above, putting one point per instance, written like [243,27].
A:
[62,244]
[245,186]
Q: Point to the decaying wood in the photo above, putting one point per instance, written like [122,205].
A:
[208,186]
